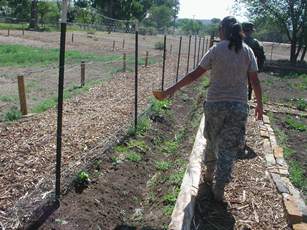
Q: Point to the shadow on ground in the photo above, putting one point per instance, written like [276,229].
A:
[210,214]
[249,153]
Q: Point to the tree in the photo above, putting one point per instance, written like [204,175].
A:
[190,26]
[161,16]
[34,15]
[20,9]
[289,15]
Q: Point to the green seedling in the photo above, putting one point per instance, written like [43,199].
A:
[138,144]
[293,124]
[163,165]
[134,157]
[168,210]
[12,115]
[170,147]
[115,161]
[82,179]
[121,149]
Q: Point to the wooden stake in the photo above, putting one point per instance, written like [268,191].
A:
[113,45]
[146,59]
[72,38]
[22,95]
[123,43]
[8,32]
[82,73]
[124,63]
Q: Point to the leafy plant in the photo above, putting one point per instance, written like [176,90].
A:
[168,210]
[12,115]
[138,144]
[297,174]
[115,160]
[293,124]
[162,165]
[300,103]
[82,178]
[134,157]
[176,178]
[170,146]
[121,149]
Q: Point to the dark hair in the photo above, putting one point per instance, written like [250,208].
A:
[233,32]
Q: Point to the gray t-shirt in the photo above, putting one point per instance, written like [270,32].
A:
[229,72]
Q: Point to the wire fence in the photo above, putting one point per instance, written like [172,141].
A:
[106,88]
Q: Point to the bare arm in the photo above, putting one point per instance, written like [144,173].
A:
[188,79]
[254,80]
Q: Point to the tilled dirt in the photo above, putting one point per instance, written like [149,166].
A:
[28,146]
[252,199]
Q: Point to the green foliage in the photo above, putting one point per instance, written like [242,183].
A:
[288,152]
[300,103]
[297,174]
[6,98]
[121,149]
[169,147]
[19,55]
[115,160]
[176,178]
[190,26]
[168,210]
[134,157]
[12,115]
[138,144]
[281,137]
[294,124]
[45,105]
[159,108]
[82,178]
[265,98]
[142,126]
[163,165]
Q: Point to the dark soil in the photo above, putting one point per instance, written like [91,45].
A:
[129,195]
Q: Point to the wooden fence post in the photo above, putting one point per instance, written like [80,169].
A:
[113,45]
[23,30]
[82,73]
[171,49]
[8,32]
[124,63]
[146,59]
[123,43]
[72,38]
[22,95]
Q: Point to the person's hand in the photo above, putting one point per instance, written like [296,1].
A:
[259,112]
[160,95]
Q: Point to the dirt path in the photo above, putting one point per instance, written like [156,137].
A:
[253,201]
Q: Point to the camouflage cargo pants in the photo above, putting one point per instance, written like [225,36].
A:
[225,133]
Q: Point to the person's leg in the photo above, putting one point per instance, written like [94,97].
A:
[213,124]
[228,145]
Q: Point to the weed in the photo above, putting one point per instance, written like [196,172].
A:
[162,165]
[138,144]
[115,160]
[6,98]
[176,178]
[299,103]
[12,115]
[121,149]
[134,157]
[170,147]
[170,198]
[265,98]
[159,109]
[297,174]
[97,164]
[293,124]
[281,137]
[82,179]
[168,210]
[142,126]
[288,152]
[45,105]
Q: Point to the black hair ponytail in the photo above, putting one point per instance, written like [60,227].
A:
[232,32]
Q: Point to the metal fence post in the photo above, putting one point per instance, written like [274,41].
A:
[124,63]
[113,45]
[163,67]
[60,102]
[199,44]
[136,78]
[72,38]
[195,46]
[178,62]
[189,50]
[203,48]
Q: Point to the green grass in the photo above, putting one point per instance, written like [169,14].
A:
[265,98]
[12,26]
[299,103]
[138,144]
[134,157]
[121,149]
[163,165]
[142,126]
[170,147]
[12,115]
[297,174]
[68,93]
[294,124]
[176,178]
[6,98]
[288,152]
[19,55]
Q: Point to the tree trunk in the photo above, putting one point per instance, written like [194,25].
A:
[293,56]
[34,16]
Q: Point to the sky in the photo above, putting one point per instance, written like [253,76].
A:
[207,9]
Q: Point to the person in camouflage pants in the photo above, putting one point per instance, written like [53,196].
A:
[232,63]
[224,129]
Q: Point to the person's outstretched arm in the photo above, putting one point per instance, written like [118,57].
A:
[188,79]
[254,80]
